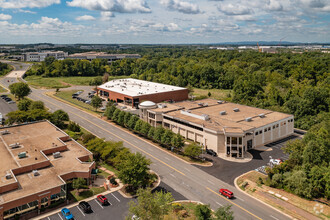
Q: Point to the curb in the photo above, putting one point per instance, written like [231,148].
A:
[237,187]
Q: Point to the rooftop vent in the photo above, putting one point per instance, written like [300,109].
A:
[35,173]
[15,145]
[262,115]
[220,102]
[200,104]
[248,119]
[206,117]
[5,132]
[8,176]
[205,104]
[223,112]
[22,155]
[57,154]
[236,109]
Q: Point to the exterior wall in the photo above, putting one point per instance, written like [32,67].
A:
[31,167]
[9,187]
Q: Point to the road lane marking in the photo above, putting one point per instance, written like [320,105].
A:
[234,203]
[80,211]
[210,182]
[219,204]
[274,217]
[172,175]
[239,199]
[59,216]
[167,158]
[187,169]
[150,155]
[98,203]
[115,197]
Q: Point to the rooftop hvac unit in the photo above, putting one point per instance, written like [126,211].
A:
[57,154]
[248,119]
[22,155]
[220,102]
[8,176]
[262,115]
[206,117]
[223,112]
[200,104]
[205,104]
[35,173]
[5,132]
[15,145]
[236,109]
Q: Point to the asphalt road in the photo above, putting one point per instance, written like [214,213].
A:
[190,181]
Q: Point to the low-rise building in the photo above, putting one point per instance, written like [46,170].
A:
[36,161]
[133,91]
[101,55]
[41,56]
[227,128]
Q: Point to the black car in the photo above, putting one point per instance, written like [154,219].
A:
[85,207]
[211,152]
[7,99]
[3,96]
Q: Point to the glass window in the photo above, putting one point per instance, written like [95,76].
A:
[228,140]
[268,128]
[273,126]
[277,125]
[265,129]
[240,140]
[234,140]
[256,133]
[260,132]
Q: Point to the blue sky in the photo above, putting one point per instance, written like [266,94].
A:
[163,21]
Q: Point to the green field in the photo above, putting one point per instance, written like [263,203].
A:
[215,93]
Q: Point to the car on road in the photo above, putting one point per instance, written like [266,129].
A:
[85,207]
[11,102]
[102,199]
[67,214]
[226,193]
[211,152]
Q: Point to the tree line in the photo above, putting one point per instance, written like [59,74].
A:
[4,68]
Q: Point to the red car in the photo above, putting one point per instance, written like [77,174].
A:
[227,193]
[102,199]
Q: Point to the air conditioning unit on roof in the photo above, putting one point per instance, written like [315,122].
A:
[262,115]
[35,173]
[236,109]
[223,112]
[248,119]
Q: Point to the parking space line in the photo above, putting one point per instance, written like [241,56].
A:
[59,216]
[219,204]
[115,197]
[274,217]
[98,203]
[172,175]
[81,211]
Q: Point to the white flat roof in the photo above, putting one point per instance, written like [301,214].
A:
[136,87]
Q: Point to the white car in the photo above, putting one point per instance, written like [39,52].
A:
[275,161]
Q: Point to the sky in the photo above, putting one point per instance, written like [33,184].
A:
[163,21]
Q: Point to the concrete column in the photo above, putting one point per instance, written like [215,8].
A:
[48,200]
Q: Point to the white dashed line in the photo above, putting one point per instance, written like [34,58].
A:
[219,204]
[115,197]
[239,199]
[172,175]
[210,182]
[98,203]
[167,158]
[187,169]
[274,217]
[59,216]
[81,211]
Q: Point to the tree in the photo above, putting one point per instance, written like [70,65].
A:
[145,128]
[159,131]
[151,206]
[151,132]
[193,150]
[135,170]
[132,121]
[24,104]
[20,90]
[73,126]
[203,212]
[59,117]
[138,125]
[127,117]
[109,111]
[166,137]
[209,94]
[224,213]
[79,183]
[116,114]
[96,102]
[37,105]
[177,141]
[121,117]
[105,77]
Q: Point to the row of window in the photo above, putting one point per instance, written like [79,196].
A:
[183,123]
[274,126]
[234,140]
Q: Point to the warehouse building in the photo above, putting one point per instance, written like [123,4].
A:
[41,56]
[227,128]
[133,91]
[36,161]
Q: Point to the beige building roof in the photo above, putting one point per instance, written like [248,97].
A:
[225,116]
[37,139]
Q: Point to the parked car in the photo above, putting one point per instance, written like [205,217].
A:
[8,99]
[11,102]
[85,207]
[83,100]
[67,214]
[211,152]
[276,161]
[227,193]
[88,102]
[102,108]
[102,199]
[79,99]
[3,96]
[79,92]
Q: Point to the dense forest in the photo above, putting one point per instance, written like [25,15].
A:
[293,83]
[4,68]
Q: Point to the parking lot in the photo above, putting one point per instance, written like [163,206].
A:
[5,107]
[116,209]
[227,171]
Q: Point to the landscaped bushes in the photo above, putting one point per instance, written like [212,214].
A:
[165,137]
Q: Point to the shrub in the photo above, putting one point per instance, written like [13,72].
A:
[73,126]
[203,212]
[113,181]
[87,137]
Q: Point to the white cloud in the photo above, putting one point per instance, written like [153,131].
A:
[5,17]
[85,18]
[274,5]
[120,6]
[15,4]
[318,5]
[181,6]
[106,15]
[230,9]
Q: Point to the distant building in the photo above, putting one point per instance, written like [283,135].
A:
[36,161]
[41,56]
[101,55]
[227,128]
[133,91]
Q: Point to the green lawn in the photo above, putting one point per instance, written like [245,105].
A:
[2,89]
[87,193]
[221,94]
